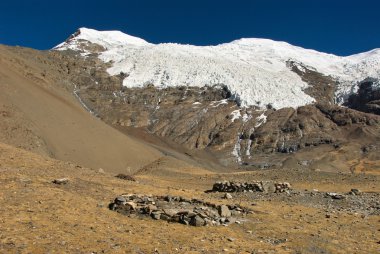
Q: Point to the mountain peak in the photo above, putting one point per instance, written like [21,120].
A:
[106,39]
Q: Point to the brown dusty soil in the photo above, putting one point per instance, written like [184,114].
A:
[38,216]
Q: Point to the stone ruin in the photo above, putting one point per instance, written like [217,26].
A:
[192,212]
[260,186]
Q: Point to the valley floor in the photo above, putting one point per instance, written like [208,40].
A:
[37,216]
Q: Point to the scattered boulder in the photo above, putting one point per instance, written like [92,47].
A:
[120,200]
[334,195]
[227,196]
[355,192]
[156,215]
[197,221]
[224,211]
[61,181]
[126,177]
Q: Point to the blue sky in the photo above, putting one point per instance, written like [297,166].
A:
[333,26]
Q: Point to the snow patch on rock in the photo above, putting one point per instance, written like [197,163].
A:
[260,120]
[235,115]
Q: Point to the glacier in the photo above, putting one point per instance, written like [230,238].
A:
[254,70]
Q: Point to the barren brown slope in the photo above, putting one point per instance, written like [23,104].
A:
[61,124]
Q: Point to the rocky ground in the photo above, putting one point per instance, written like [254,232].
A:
[39,216]
[353,201]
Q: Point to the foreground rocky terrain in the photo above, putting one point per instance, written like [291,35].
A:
[38,216]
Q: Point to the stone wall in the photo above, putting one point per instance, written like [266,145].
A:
[192,212]
[260,186]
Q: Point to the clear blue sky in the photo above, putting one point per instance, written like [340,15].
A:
[341,27]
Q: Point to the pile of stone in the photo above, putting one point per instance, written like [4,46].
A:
[260,186]
[282,187]
[192,212]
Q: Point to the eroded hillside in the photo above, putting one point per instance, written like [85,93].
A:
[39,114]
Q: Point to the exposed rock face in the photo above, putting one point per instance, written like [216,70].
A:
[367,99]
[321,87]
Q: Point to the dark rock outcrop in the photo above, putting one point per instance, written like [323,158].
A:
[367,98]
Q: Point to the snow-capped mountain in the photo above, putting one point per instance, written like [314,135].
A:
[246,102]
[254,70]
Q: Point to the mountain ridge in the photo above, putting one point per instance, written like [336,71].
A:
[256,71]
[235,41]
